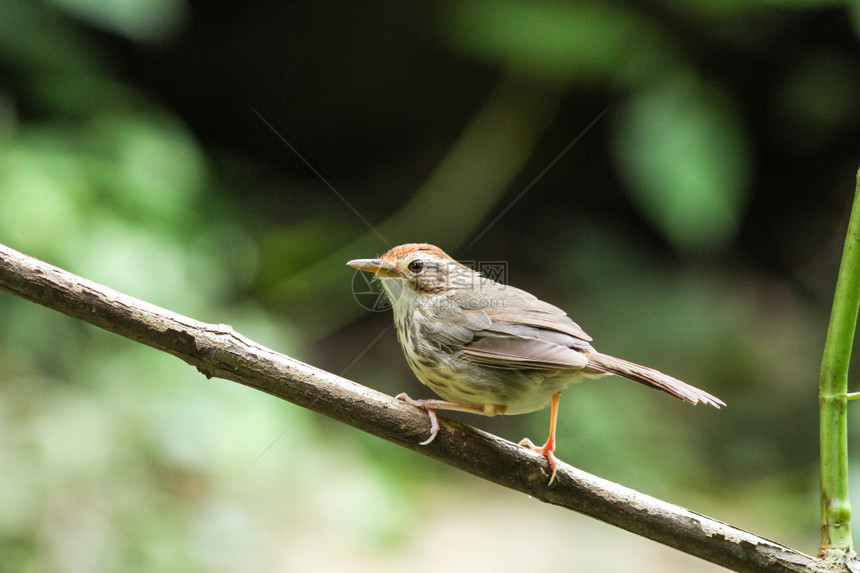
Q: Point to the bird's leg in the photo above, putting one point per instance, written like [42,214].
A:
[431,405]
[549,447]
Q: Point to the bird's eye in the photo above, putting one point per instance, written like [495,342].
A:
[416,266]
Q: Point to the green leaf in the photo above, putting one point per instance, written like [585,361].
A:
[682,148]
[561,42]
[138,20]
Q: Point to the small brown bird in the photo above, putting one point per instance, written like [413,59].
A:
[489,348]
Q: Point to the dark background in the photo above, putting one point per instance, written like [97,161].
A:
[676,175]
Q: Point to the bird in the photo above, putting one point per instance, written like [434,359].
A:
[489,348]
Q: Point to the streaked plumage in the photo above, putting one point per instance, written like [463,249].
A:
[491,348]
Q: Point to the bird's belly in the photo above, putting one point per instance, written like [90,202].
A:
[519,391]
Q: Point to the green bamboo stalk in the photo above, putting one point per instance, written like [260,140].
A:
[833,395]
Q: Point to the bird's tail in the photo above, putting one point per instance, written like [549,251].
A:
[652,378]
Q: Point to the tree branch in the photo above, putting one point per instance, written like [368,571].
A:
[217,350]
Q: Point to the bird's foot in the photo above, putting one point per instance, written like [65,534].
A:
[546,451]
[428,406]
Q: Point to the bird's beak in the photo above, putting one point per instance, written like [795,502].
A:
[376,266]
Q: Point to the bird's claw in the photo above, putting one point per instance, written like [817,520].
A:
[431,412]
[546,451]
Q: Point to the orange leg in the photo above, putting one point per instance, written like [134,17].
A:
[549,447]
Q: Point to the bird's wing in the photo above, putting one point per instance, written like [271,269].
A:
[517,307]
[514,352]
[511,328]
[452,326]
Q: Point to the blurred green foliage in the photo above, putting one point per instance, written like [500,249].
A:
[694,229]
[696,202]
[672,111]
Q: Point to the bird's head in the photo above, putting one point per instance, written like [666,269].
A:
[416,269]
